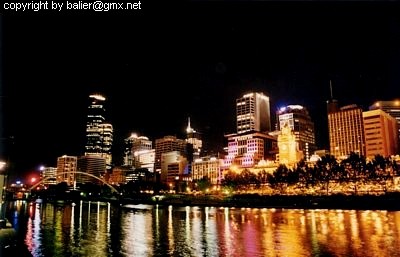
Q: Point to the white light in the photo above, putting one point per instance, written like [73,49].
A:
[2,165]
[98,97]
[299,107]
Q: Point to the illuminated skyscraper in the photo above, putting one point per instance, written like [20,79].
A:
[346,131]
[392,108]
[251,143]
[299,121]
[380,133]
[48,175]
[253,113]
[94,165]
[168,144]
[193,138]
[99,133]
[66,169]
[136,146]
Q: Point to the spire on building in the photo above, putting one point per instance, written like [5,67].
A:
[332,104]
[189,129]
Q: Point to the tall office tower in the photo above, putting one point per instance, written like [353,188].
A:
[299,121]
[99,133]
[48,176]
[346,131]
[66,169]
[392,108]
[169,144]
[134,145]
[381,133]
[193,138]
[253,113]
[92,165]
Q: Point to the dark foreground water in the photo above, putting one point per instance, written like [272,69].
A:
[101,229]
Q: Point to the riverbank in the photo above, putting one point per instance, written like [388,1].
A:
[388,201]
[362,202]
[7,237]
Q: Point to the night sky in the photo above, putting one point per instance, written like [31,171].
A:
[159,65]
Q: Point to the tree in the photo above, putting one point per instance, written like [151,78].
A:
[203,184]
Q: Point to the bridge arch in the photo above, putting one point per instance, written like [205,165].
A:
[78,172]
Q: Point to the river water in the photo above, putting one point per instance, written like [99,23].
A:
[99,229]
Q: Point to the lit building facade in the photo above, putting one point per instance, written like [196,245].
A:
[66,169]
[118,175]
[299,121]
[173,167]
[99,133]
[92,165]
[247,149]
[393,109]
[134,146]
[253,113]
[49,176]
[289,153]
[168,144]
[346,131]
[193,137]
[381,133]
[145,159]
[209,167]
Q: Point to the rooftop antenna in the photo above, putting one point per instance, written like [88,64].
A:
[330,85]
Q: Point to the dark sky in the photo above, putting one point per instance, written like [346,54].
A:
[159,65]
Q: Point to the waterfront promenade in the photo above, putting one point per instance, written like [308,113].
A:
[389,201]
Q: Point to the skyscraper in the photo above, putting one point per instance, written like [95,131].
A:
[346,131]
[380,133]
[253,113]
[136,145]
[168,144]
[251,143]
[299,121]
[66,169]
[392,108]
[93,165]
[193,137]
[99,133]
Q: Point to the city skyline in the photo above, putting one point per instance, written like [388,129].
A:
[157,74]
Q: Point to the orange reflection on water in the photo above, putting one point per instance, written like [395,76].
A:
[309,232]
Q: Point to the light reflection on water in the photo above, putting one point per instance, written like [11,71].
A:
[100,229]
